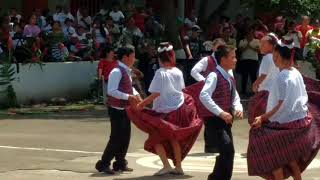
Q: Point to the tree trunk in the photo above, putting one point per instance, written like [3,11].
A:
[169,19]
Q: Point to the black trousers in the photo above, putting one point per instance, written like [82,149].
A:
[224,162]
[248,68]
[118,144]
[210,136]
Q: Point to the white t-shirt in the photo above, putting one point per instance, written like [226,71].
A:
[249,53]
[116,16]
[99,38]
[169,83]
[289,87]
[267,67]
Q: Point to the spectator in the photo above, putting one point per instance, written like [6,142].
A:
[148,65]
[31,29]
[303,29]
[56,43]
[85,20]
[226,36]
[100,35]
[153,29]
[116,15]
[139,18]
[106,63]
[131,34]
[113,29]
[194,46]
[295,37]
[248,64]
[56,15]
[14,16]
[192,20]
[68,29]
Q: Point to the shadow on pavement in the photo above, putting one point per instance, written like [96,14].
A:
[156,177]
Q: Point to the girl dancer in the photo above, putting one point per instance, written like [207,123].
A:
[173,124]
[284,140]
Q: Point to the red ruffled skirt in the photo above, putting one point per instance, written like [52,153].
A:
[182,125]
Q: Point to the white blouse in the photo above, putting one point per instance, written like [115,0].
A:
[290,88]
[268,68]
[169,83]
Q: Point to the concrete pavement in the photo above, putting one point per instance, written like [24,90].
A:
[66,146]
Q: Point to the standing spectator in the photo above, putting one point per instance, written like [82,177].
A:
[153,29]
[139,18]
[279,26]
[295,37]
[31,29]
[194,46]
[100,35]
[148,65]
[303,29]
[192,20]
[226,36]
[116,15]
[249,64]
[106,63]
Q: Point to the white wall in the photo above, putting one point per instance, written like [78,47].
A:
[67,79]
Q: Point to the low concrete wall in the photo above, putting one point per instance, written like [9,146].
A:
[68,79]
[72,80]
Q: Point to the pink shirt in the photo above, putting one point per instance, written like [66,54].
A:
[31,30]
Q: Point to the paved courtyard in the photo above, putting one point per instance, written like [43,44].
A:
[66,146]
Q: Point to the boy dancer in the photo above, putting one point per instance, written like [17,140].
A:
[121,94]
[219,99]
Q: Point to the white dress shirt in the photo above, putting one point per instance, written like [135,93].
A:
[268,68]
[209,88]
[201,66]
[169,83]
[288,87]
[113,83]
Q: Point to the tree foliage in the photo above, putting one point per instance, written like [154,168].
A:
[291,8]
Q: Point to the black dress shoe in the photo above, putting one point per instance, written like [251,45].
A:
[100,167]
[123,169]
[211,150]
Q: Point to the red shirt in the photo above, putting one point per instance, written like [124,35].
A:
[304,39]
[139,20]
[106,67]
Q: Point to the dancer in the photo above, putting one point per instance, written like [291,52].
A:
[199,72]
[219,100]
[285,139]
[173,124]
[267,73]
[121,94]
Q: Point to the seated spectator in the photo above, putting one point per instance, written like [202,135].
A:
[81,44]
[56,43]
[31,29]
[85,20]
[116,15]
[131,34]
[100,35]
[68,29]
[14,16]
[113,29]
